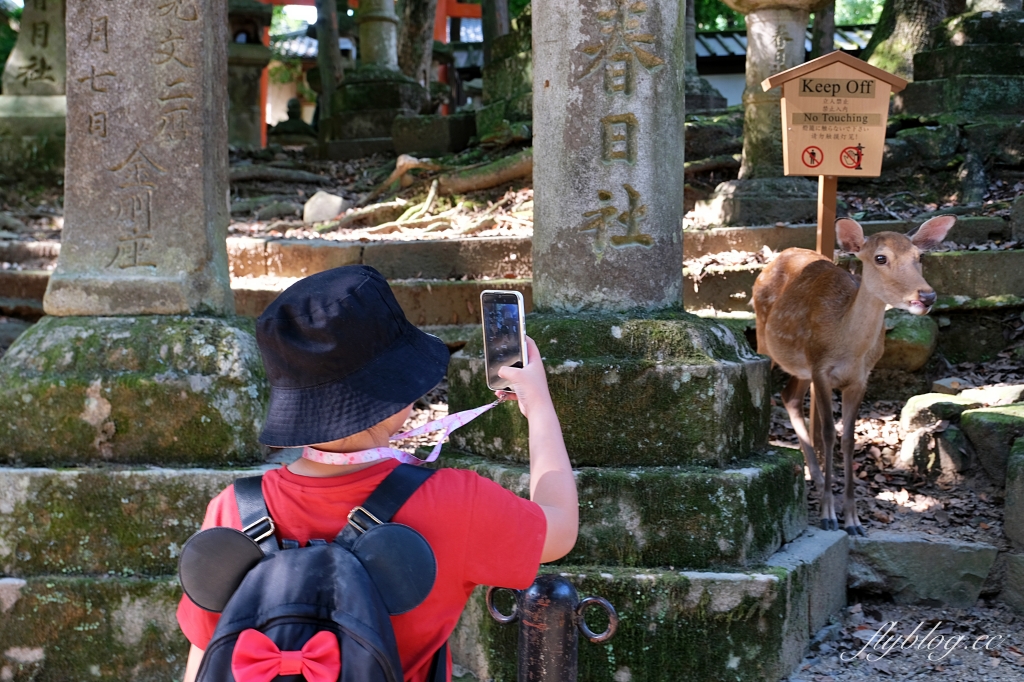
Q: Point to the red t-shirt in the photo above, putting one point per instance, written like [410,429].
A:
[481,534]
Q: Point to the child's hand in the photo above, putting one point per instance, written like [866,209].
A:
[529,384]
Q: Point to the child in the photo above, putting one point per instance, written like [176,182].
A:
[344,367]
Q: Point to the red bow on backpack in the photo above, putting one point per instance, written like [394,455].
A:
[257,659]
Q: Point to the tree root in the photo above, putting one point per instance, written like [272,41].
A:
[403,164]
[270,173]
[370,213]
[493,174]
[427,221]
[723,162]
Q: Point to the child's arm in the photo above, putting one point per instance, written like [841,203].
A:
[552,484]
[195,657]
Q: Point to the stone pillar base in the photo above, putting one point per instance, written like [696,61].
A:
[168,389]
[32,131]
[702,96]
[667,388]
[760,201]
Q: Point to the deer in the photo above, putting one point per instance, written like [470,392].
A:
[825,327]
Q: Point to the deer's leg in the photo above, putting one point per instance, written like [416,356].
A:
[827,425]
[852,397]
[793,400]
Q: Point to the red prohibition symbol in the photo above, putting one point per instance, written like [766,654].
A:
[851,157]
[812,157]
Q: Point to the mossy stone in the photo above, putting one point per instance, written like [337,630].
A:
[992,431]
[1006,59]
[1013,520]
[910,340]
[373,87]
[664,388]
[108,630]
[679,626]
[153,389]
[932,142]
[928,409]
[100,521]
[687,517]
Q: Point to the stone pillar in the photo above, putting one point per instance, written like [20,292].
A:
[665,414]
[775,42]
[123,369]
[146,199]
[32,106]
[378,34]
[36,66]
[776,32]
[608,155]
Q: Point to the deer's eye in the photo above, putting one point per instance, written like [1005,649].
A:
[881,260]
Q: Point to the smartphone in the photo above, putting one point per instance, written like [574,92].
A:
[504,328]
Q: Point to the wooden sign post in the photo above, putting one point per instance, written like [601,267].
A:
[834,112]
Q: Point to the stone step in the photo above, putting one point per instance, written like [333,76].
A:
[102,521]
[494,257]
[917,568]
[425,301]
[697,243]
[696,393]
[680,626]
[964,280]
[134,521]
[88,628]
[506,257]
[688,517]
[686,626]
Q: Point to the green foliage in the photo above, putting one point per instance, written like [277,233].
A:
[282,23]
[516,7]
[851,12]
[290,71]
[715,15]
[8,36]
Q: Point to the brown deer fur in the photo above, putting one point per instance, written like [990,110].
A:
[825,327]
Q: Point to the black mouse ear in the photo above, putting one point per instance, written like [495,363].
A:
[213,563]
[400,562]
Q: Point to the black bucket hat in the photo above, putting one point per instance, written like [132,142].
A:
[341,356]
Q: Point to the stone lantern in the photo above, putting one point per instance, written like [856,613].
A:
[373,94]
[776,32]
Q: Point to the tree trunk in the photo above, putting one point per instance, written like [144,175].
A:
[496,23]
[328,60]
[903,30]
[823,31]
[416,39]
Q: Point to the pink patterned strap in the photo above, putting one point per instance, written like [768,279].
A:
[449,424]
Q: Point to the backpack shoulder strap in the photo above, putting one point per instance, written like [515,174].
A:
[439,666]
[252,508]
[386,500]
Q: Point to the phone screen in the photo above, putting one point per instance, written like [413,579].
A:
[502,335]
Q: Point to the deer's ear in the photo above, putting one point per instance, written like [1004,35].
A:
[933,231]
[850,235]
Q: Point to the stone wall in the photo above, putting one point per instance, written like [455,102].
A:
[508,79]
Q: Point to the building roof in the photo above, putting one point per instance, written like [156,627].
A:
[712,44]
[298,45]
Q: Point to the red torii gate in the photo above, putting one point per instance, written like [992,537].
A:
[445,9]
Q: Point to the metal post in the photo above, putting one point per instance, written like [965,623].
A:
[549,613]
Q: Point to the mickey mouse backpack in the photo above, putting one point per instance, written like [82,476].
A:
[320,612]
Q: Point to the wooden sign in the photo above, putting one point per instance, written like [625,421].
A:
[834,112]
